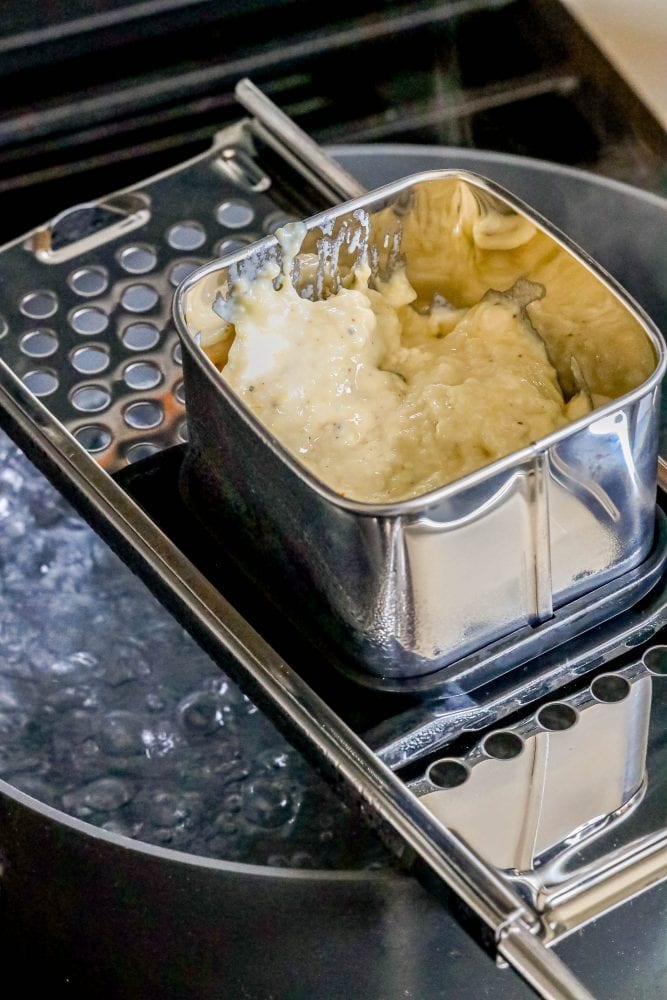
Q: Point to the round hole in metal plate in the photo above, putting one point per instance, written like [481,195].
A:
[275,220]
[141,449]
[610,688]
[186,236]
[93,437]
[181,269]
[139,298]
[177,354]
[4,327]
[89,320]
[90,398]
[557,716]
[137,258]
[140,336]
[234,214]
[655,660]
[41,382]
[503,746]
[142,375]
[88,281]
[448,773]
[231,244]
[179,392]
[39,305]
[90,360]
[144,415]
[40,343]
[183,432]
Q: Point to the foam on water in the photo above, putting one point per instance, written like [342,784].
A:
[111,712]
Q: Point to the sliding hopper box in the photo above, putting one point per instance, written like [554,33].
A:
[403,589]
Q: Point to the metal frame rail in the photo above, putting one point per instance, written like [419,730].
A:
[497,916]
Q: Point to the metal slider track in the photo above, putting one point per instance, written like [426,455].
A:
[495,908]
[500,916]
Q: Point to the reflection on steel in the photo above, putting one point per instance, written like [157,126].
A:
[662,473]
[523,951]
[569,804]
[584,645]
[535,530]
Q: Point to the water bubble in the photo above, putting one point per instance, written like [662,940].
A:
[109,710]
[68,665]
[159,740]
[278,861]
[267,804]
[201,713]
[301,859]
[274,759]
[156,701]
[218,847]
[47,511]
[72,696]
[121,733]
[104,795]
[227,824]
[122,670]
[26,763]
[120,827]
[73,727]
[169,809]
[233,802]
[34,786]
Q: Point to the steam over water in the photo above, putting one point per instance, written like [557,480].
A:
[111,712]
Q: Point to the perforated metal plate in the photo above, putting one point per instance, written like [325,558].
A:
[85,301]
[568,802]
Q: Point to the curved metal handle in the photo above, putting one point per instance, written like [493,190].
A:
[84,227]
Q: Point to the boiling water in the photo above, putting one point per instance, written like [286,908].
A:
[111,712]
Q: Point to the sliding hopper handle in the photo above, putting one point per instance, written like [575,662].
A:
[278,130]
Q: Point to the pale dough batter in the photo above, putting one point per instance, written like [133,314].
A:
[390,391]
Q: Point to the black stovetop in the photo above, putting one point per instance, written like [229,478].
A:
[99,96]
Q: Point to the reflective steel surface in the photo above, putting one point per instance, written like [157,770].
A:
[593,955]
[534,530]
[570,801]
[85,299]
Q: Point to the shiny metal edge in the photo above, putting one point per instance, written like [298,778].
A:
[54,815]
[595,609]
[531,452]
[219,140]
[286,135]
[214,621]
[430,727]
[633,872]
[623,868]
[524,951]
[662,473]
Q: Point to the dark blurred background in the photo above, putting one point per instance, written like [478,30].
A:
[100,94]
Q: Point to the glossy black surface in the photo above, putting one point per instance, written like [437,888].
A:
[101,95]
